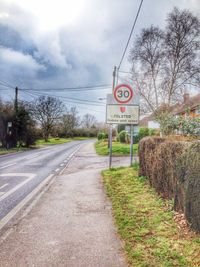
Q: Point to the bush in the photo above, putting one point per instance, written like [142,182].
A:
[143,132]
[102,136]
[123,137]
[173,169]
[158,157]
[188,188]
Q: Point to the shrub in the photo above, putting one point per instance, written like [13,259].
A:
[123,137]
[187,195]
[143,132]
[102,136]
[173,169]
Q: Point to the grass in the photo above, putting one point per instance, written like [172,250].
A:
[4,151]
[118,149]
[145,223]
[41,142]
[57,141]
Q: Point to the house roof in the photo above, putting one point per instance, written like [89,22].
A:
[191,104]
[144,121]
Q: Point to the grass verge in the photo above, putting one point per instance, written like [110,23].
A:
[118,149]
[4,151]
[57,141]
[40,143]
[145,223]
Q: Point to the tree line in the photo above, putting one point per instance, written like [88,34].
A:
[22,123]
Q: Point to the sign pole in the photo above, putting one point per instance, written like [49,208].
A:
[110,147]
[131,145]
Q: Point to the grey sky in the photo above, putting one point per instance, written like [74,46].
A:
[63,43]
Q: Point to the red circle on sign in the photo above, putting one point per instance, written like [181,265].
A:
[117,97]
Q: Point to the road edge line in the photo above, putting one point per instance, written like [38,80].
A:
[24,201]
[70,159]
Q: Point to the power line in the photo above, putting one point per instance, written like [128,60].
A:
[6,84]
[74,100]
[129,38]
[69,102]
[77,88]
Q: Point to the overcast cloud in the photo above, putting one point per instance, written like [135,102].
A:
[64,43]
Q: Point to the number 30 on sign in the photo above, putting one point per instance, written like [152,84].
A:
[123,93]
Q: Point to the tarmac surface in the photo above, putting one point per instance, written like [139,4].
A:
[71,224]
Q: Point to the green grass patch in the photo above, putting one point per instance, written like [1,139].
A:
[57,141]
[145,223]
[40,143]
[118,149]
[4,151]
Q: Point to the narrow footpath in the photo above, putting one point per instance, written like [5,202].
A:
[71,224]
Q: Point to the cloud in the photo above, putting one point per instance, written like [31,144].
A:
[18,68]
[72,42]
[17,59]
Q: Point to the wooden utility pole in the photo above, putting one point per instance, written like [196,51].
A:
[110,132]
[16,99]
[16,114]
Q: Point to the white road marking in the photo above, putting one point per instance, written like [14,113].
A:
[29,175]
[3,167]
[19,206]
[31,156]
[1,187]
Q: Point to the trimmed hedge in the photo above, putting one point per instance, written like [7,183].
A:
[188,193]
[173,169]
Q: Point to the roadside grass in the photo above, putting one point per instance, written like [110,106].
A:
[4,151]
[40,143]
[57,141]
[118,149]
[146,225]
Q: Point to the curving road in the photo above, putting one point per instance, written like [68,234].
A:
[21,173]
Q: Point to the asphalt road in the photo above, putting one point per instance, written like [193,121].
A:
[22,172]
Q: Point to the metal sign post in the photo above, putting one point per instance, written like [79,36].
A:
[131,145]
[110,146]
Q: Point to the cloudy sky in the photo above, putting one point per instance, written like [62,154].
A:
[69,43]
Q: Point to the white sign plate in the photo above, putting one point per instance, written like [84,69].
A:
[122,114]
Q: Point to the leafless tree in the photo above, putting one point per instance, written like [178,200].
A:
[47,111]
[88,121]
[70,120]
[182,44]
[163,62]
[147,57]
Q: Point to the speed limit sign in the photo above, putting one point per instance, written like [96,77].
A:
[123,93]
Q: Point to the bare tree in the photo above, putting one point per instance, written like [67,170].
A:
[147,57]
[164,61]
[182,44]
[47,111]
[70,120]
[89,121]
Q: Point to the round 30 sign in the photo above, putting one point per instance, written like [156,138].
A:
[123,93]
